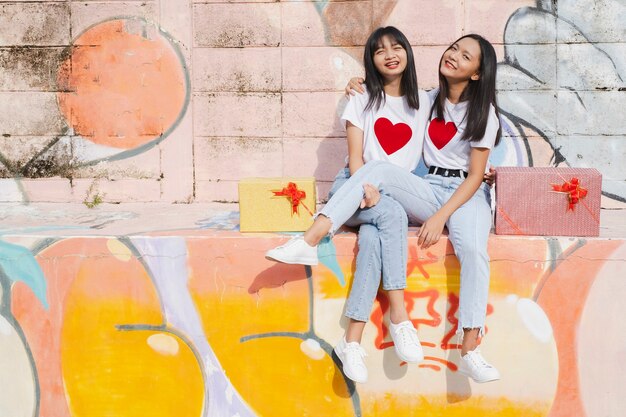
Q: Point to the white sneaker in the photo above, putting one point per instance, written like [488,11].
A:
[351,356]
[473,365]
[408,346]
[295,251]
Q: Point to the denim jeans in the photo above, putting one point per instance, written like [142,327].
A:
[468,226]
[379,253]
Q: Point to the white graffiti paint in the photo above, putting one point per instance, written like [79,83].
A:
[563,77]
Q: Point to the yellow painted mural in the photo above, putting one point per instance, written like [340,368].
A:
[205,326]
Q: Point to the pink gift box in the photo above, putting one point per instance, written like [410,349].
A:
[527,204]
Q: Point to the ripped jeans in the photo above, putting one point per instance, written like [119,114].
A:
[468,226]
[382,250]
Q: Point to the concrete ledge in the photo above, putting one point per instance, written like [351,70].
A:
[182,315]
[75,219]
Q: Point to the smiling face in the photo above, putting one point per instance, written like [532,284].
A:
[390,58]
[461,61]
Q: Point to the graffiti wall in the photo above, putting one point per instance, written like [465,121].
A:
[164,101]
[171,102]
[205,326]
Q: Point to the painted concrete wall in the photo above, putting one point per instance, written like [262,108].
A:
[203,325]
[176,100]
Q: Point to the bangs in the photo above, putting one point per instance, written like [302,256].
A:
[394,35]
[392,39]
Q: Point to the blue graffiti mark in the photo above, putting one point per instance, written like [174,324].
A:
[509,145]
[222,221]
[327,255]
[321,5]
[38,229]
[19,264]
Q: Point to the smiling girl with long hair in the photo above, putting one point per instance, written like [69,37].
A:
[385,124]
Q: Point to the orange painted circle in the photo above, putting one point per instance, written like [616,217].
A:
[123,84]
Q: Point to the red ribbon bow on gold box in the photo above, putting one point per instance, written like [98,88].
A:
[295,197]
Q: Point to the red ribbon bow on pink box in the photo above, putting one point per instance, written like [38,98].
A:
[573,190]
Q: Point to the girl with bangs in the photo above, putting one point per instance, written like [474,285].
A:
[386,123]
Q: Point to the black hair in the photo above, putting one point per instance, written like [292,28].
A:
[481,93]
[373,79]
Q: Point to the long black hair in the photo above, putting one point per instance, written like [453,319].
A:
[480,94]
[373,79]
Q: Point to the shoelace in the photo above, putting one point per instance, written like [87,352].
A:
[288,243]
[407,333]
[354,351]
[477,359]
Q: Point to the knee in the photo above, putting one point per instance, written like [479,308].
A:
[368,238]
[399,213]
[391,212]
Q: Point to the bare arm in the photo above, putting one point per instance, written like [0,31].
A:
[430,232]
[355,161]
[355,84]
[355,147]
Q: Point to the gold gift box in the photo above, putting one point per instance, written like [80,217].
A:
[261,210]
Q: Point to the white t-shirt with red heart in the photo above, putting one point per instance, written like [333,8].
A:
[443,146]
[394,132]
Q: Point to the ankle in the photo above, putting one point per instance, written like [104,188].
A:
[470,340]
[468,347]
[352,339]
[311,240]
[399,317]
[314,236]
[320,228]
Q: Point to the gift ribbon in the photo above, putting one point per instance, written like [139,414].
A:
[571,184]
[573,190]
[510,221]
[575,194]
[295,197]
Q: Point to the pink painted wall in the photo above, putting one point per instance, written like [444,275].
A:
[178,101]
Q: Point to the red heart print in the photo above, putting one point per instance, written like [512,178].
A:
[441,132]
[392,137]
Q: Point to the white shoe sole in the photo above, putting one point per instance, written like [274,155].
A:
[293,261]
[347,374]
[408,360]
[479,381]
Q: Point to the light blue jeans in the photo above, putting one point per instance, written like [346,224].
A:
[468,226]
[382,250]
